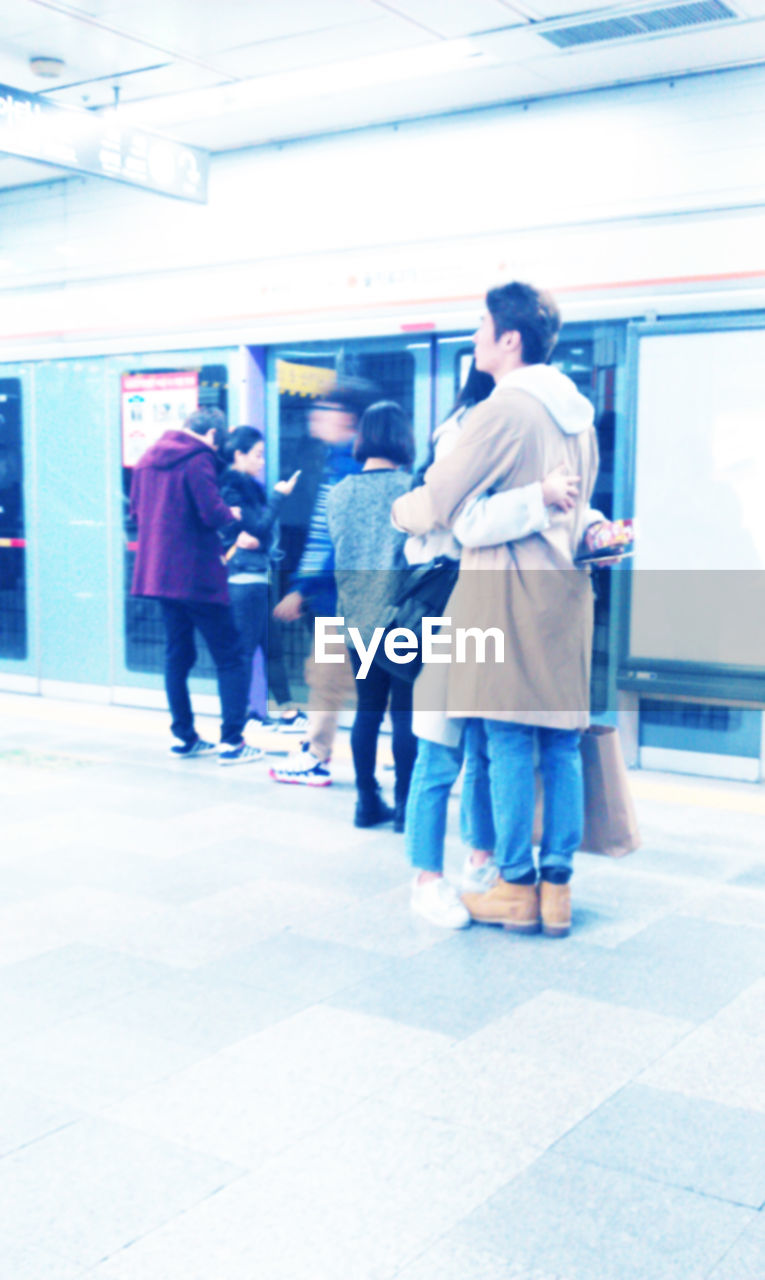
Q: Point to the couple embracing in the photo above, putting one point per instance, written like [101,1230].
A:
[515,485]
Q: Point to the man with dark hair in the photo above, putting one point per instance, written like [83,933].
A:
[333,419]
[175,500]
[538,691]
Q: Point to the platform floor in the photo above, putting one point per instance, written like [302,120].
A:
[229,1052]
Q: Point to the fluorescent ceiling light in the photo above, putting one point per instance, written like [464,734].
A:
[312,82]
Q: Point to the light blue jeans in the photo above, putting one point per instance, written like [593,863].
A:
[510,751]
[435,772]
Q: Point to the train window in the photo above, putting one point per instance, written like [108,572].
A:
[152,401]
[13,606]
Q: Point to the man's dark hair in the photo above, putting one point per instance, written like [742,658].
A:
[530,312]
[204,420]
[352,395]
[240,440]
[385,432]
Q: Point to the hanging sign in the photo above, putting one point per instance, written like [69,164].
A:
[99,143]
[153,403]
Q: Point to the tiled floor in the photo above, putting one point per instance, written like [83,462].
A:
[229,1052]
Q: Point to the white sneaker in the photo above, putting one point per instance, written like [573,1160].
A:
[479,879]
[438,902]
[302,769]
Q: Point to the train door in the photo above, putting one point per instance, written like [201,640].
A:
[297,373]
[147,394]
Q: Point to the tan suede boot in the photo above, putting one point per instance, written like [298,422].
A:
[555,905]
[516,906]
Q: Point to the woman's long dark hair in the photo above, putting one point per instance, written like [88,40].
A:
[476,387]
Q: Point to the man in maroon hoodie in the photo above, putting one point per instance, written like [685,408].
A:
[179,510]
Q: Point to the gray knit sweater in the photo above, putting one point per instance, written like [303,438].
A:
[368,550]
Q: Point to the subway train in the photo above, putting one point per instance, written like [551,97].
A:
[368,253]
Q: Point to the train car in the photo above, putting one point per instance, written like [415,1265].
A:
[368,253]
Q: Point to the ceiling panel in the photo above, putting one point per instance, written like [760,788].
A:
[382,34]
[452,18]
[203,27]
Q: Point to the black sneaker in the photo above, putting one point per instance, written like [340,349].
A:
[191,750]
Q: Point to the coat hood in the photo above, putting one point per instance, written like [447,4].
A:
[566,405]
[173,448]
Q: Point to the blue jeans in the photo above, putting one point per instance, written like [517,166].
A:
[510,750]
[435,772]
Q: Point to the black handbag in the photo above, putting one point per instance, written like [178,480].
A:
[423,591]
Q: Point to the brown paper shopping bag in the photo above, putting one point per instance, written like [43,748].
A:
[610,823]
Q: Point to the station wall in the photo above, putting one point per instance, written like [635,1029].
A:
[619,200]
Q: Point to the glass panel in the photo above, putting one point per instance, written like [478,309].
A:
[162,407]
[301,376]
[13,606]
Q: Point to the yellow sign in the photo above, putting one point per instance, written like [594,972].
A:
[303,379]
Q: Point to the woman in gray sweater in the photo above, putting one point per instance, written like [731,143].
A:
[368,554]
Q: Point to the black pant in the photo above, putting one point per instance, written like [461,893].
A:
[278,679]
[251,602]
[373,693]
[216,623]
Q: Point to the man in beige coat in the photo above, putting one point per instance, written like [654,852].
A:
[531,592]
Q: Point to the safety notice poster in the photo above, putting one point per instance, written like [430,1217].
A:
[153,403]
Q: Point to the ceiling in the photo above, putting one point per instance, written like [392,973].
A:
[223,74]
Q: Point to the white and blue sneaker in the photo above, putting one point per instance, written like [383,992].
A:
[302,769]
[192,750]
[479,879]
[242,753]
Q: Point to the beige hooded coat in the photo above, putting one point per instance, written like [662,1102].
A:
[534,420]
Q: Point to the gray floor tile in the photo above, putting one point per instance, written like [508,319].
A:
[76,977]
[702,1146]
[25,1117]
[197,1011]
[357,1053]
[89,1062]
[448,1261]
[587,1223]
[455,987]
[360,1199]
[88,1190]
[660,968]
[299,966]
[606,1043]
[235,1108]
[747,1256]
[28,1262]
[714,1064]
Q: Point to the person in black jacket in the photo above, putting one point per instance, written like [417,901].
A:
[249,553]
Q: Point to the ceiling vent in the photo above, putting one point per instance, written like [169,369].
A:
[647,22]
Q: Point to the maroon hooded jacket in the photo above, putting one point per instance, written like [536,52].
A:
[175,499]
